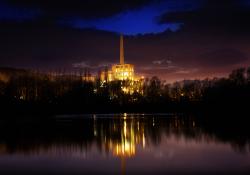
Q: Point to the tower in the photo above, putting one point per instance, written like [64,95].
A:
[122,71]
[121,50]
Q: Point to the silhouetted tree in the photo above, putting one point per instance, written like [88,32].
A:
[176,91]
[248,74]
[153,90]
[238,76]
[166,92]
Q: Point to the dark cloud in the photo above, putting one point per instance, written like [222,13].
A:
[223,57]
[46,45]
[230,16]
[80,8]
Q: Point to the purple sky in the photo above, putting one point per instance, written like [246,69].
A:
[173,39]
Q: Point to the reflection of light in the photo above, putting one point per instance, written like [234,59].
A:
[131,134]
[125,128]
[126,148]
[95,131]
[143,141]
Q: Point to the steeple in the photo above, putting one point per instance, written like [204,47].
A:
[121,50]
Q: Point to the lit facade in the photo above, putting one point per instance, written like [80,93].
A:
[123,72]
[120,71]
[88,78]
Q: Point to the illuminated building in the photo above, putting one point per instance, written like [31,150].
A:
[123,72]
[88,78]
[106,76]
[120,71]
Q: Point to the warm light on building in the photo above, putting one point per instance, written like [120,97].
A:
[123,72]
[88,78]
[120,71]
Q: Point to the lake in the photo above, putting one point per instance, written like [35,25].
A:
[122,144]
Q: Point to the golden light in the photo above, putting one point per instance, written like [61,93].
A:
[126,148]
[131,134]
[123,72]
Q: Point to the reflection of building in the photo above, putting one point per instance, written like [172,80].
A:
[129,134]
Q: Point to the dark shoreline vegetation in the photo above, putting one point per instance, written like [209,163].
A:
[25,92]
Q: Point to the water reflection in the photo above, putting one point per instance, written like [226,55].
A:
[125,133]
[124,142]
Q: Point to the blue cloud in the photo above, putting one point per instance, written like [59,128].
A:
[131,22]
[139,21]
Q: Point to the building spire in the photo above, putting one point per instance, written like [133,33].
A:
[121,50]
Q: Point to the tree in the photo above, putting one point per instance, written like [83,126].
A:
[248,74]
[166,91]
[238,76]
[153,90]
[176,91]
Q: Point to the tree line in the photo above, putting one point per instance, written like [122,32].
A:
[31,91]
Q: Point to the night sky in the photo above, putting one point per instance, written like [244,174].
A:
[173,39]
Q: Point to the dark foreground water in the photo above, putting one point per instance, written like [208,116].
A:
[122,144]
